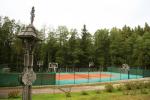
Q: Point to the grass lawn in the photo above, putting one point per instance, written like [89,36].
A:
[91,95]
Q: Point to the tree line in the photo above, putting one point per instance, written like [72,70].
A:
[105,47]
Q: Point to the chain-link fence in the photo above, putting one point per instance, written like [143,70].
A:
[14,79]
[74,75]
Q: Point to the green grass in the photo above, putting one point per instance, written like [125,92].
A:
[92,95]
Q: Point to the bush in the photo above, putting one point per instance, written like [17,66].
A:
[130,86]
[139,85]
[14,94]
[144,91]
[119,88]
[129,92]
[84,93]
[109,88]
[68,94]
[126,92]
[97,91]
[146,84]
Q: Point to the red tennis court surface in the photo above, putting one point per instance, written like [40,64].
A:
[81,76]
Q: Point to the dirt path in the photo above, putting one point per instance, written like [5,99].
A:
[60,90]
[55,89]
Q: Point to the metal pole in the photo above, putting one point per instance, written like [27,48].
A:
[136,73]
[59,78]
[100,73]
[128,74]
[120,73]
[110,73]
[88,74]
[74,74]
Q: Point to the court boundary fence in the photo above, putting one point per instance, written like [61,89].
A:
[49,78]
[133,73]
[14,79]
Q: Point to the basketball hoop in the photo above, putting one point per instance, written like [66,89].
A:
[91,64]
[52,66]
[40,63]
[125,68]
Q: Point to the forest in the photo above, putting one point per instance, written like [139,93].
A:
[105,47]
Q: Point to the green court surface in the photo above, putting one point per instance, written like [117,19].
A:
[112,76]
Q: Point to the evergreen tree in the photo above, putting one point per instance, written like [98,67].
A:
[102,56]
[86,47]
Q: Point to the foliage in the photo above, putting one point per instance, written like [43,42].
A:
[68,94]
[14,94]
[70,48]
[146,84]
[144,91]
[130,86]
[84,93]
[139,85]
[98,91]
[120,87]
[109,88]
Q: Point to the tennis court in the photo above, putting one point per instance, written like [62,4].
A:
[92,77]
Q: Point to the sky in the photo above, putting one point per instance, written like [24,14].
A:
[96,14]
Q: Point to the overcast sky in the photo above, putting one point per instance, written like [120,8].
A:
[95,14]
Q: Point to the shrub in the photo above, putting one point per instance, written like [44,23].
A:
[144,91]
[129,92]
[139,85]
[14,94]
[109,88]
[126,92]
[119,88]
[84,93]
[68,94]
[147,84]
[130,86]
[97,91]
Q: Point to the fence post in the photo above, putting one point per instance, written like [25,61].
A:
[128,74]
[136,73]
[120,73]
[59,77]
[74,74]
[110,73]
[88,74]
[100,73]
[143,72]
